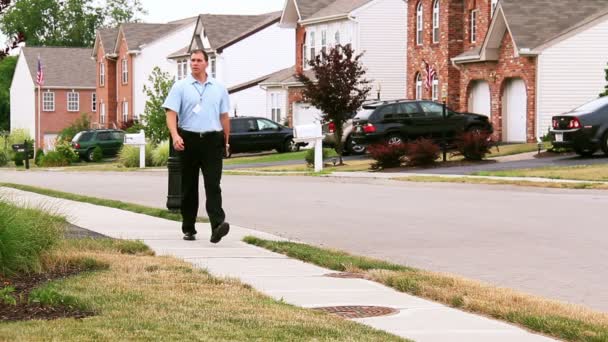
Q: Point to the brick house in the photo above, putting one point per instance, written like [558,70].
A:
[242,54]
[508,59]
[125,57]
[375,27]
[68,91]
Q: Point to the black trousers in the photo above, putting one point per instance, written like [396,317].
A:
[201,152]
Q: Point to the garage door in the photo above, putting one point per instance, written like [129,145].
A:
[304,113]
[514,102]
[479,98]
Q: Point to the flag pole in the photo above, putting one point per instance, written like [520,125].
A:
[38,125]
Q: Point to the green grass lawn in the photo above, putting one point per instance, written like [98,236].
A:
[582,172]
[266,158]
[564,321]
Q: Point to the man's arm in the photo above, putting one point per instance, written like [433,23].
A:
[178,142]
[225,120]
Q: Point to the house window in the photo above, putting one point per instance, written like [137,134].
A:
[436,21]
[125,111]
[48,101]
[323,43]
[337,38]
[275,105]
[94,102]
[313,52]
[73,101]
[419,22]
[493,8]
[435,88]
[474,26]
[304,51]
[125,71]
[102,115]
[213,65]
[102,74]
[182,68]
[418,86]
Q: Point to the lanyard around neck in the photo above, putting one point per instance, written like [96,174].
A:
[200,93]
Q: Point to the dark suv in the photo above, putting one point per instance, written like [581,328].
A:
[400,121]
[109,140]
[254,134]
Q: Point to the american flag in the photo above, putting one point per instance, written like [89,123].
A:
[430,74]
[39,74]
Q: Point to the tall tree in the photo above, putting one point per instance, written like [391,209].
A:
[64,22]
[605,93]
[153,118]
[7,69]
[339,89]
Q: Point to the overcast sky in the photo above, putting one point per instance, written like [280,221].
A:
[167,10]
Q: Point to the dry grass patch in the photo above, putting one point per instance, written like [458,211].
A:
[493,181]
[142,297]
[564,321]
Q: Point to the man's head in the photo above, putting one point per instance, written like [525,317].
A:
[198,61]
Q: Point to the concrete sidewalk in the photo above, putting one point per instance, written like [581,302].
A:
[280,277]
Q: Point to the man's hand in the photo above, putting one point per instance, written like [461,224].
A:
[227,150]
[178,143]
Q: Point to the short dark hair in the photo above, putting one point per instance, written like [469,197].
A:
[201,51]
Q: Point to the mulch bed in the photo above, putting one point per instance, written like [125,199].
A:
[25,283]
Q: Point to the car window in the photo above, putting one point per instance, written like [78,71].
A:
[82,136]
[117,136]
[409,110]
[239,126]
[593,105]
[103,136]
[267,125]
[364,113]
[252,125]
[388,112]
[432,109]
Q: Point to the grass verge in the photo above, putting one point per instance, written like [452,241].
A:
[564,321]
[136,208]
[493,181]
[510,149]
[161,298]
[269,158]
[580,172]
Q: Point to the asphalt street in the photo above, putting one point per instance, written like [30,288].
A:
[548,242]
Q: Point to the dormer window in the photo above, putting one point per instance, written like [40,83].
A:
[419,23]
[474,26]
[436,22]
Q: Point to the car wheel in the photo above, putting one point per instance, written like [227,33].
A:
[395,139]
[353,148]
[90,154]
[604,143]
[585,152]
[289,146]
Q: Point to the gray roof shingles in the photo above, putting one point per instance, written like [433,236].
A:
[335,7]
[62,66]
[139,34]
[223,29]
[108,39]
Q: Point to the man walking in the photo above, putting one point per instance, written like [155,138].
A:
[197,117]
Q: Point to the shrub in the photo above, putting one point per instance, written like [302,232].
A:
[160,154]
[80,124]
[3,158]
[421,152]
[129,155]
[386,155]
[19,158]
[97,154]
[39,156]
[474,145]
[66,150]
[310,155]
[25,234]
[54,158]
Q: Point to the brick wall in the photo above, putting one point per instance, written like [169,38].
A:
[300,33]
[293,95]
[106,93]
[124,91]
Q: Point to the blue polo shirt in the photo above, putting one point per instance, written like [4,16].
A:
[198,105]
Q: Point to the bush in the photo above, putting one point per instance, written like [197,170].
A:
[80,124]
[54,158]
[25,234]
[129,155]
[421,152]
[386,155]
[65,149]
[97,154]
[3,158]
[310,155]
[160,154]
[474,145]
[39,157]
[19,158]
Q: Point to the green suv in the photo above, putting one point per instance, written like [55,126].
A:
[109,140]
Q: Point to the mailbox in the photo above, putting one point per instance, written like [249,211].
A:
[19,147]
[311,133]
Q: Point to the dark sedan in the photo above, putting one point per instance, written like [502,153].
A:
[584,129]
[254,134]
[400,121]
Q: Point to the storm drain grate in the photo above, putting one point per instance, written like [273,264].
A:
[346,275]
[356,311]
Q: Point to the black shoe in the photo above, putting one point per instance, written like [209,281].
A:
[189,236]
[219,232]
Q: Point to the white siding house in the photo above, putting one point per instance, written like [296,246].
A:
[571,71]
[23,98]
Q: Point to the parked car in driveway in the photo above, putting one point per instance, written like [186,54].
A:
[400,121]
[584,129]
[254,134]
[109,140]
[329,137]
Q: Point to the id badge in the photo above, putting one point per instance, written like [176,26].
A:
[196,109]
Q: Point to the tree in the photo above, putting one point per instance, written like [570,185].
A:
[64,22]
[154,122]
[339,89]
[605,93]
[7,69]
